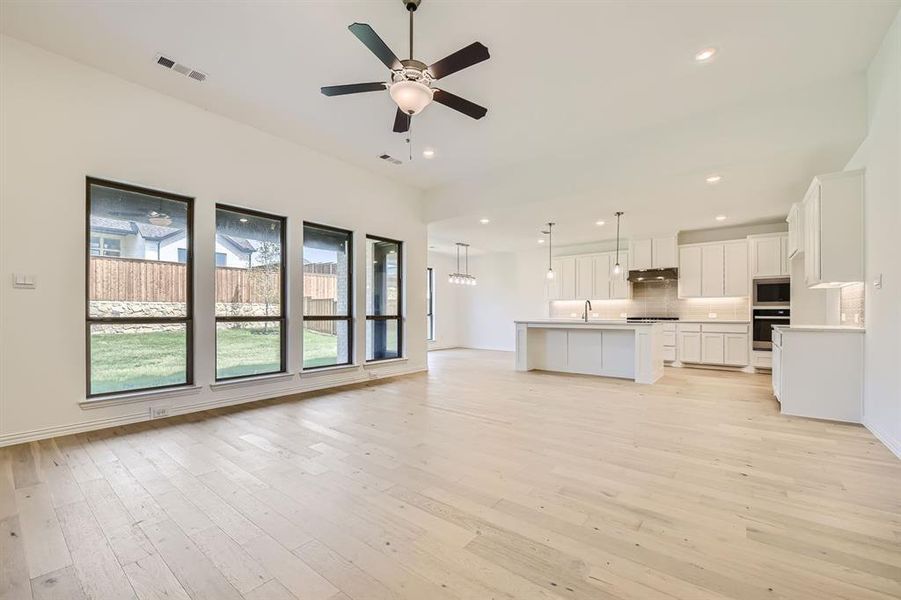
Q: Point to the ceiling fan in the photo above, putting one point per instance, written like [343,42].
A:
[411,80]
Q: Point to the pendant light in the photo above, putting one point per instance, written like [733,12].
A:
[550,243]
[617,269]
[464,278]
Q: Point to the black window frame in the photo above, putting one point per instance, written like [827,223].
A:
[187,320]
[349,318]
[400,299]
[430,305]
[282,305]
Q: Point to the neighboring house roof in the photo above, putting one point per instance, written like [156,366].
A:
[241,244]
[127,227]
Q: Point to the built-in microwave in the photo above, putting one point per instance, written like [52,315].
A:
[772,292]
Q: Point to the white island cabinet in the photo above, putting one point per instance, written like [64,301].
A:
[606,348]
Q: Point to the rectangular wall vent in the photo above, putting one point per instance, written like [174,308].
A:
[168,63]
[390,159]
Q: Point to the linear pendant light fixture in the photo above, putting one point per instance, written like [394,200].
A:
[617,269]
[549,232]
[459,278]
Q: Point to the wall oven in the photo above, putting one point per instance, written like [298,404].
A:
[772,292]
[764,319]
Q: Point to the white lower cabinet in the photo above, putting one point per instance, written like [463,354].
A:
[735,349]
[712,352]
[726,344]
[777,372]
[669,342]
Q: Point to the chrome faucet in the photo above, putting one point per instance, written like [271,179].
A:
[587,308]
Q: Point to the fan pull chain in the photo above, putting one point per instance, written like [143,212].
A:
[410,136]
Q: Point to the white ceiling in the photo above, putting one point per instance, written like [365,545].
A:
[593,106]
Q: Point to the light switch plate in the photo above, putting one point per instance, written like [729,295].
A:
[877,282]
[24,281]
[711,315]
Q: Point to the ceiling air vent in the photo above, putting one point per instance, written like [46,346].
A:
[390,159]
[168,63]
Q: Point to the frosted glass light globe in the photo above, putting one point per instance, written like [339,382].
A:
[411,96]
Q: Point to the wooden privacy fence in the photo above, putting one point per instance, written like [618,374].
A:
[321,307]
[138,280]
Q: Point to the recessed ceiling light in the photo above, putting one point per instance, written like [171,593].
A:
[705,55]
[599,222]
[711,179]
[540,240]
[484,221]
[428,153]
[721,217]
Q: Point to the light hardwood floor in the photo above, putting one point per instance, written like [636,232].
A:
[471,481]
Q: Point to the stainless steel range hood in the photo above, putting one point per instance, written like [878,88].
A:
[653,275]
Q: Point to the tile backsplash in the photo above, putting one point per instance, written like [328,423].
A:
[657,300]
[852,312]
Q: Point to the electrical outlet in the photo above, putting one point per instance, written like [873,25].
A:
[844,317]
[711,315]
[373,374]
[622,315]
[159,412]
[857,318]
[594,315]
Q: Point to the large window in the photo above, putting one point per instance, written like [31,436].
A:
[430,304]
[327,294]
[384,325]
[250,292]
[139,294]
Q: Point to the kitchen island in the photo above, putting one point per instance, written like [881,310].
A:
[606,348]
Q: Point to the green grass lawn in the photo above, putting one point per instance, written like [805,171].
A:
[126,361]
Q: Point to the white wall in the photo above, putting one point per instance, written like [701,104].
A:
[511,286]
[880,154]
[447,307]
[61,121]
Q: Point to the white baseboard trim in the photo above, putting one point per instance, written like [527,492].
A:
[21,437]
[892,444]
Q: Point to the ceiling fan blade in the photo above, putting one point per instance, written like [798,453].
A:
[353,88]
[459,60]
[401,122]
[463,105]
[371,39]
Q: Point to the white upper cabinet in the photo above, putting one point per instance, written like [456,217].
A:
[584,277]
[563,286]
[620,288]
[713,270]
[735,275]
[689,271]
[642,254]
[833,229]
[602,267]
[654,253]
[795,239]
[666,252]
[589,277]
[769,255]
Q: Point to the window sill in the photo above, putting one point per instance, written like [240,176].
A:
[251,380]
[332,369]
[130,397]
[386,361]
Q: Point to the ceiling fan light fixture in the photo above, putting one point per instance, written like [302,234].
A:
[411,96]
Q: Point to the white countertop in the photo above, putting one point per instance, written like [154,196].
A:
[729,321]
[835,328]
[582,322]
